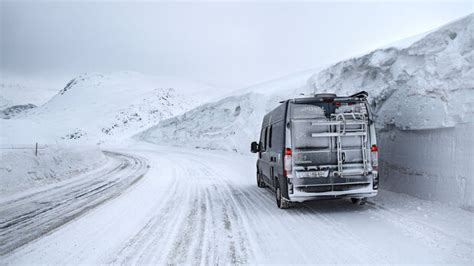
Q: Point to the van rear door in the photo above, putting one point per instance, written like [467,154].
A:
[329,137]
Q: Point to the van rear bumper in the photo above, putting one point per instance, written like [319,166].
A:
[313,188]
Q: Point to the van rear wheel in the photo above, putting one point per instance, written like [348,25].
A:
[361,201]
[281,202]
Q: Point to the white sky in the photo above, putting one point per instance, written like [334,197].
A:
[230,45]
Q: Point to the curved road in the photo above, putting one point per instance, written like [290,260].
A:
[25,218]
[204,207]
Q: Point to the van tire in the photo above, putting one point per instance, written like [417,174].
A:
[282,203]
[361,201]
[260,182]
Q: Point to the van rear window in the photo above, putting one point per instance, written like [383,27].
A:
[307,111]
[324,109]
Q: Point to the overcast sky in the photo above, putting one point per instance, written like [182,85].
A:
[230,45]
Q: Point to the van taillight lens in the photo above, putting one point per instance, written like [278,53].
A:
[287,161]
[375,157]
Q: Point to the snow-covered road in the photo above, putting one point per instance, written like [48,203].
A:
[27,216]
[196,206]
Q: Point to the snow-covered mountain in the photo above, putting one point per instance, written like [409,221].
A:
[102,107]
[422,94]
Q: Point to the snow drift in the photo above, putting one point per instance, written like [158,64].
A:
[422,96]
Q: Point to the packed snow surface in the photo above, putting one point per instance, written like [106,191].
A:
[204,207]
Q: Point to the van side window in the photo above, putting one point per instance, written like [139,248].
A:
[263,139]
[277,138]
[270,137]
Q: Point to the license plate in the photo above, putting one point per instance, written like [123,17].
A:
[314,174]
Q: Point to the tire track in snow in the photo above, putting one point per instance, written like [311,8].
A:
[325,226]
[29,217]
[144,247]
[196,227]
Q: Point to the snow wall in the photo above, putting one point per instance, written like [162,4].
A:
[435,164]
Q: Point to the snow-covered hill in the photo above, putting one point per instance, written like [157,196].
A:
[98,107]
[231,123]
[422,94]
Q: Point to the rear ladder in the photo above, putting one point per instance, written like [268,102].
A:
[347,125]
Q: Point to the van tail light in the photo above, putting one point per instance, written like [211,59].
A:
[375,157]
[373,148]
[287,162]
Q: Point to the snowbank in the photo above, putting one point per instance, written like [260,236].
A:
[434,164]
[20,169]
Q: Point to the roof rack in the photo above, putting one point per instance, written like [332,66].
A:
[360,94]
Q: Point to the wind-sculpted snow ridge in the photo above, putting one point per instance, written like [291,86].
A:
[427,85]
[105,107]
